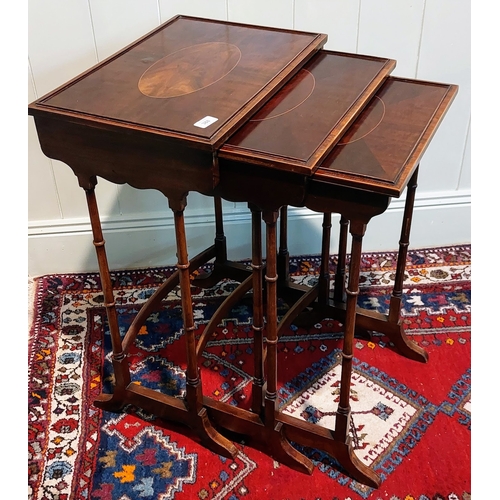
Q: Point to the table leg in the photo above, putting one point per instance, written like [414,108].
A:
[222,267]
[194,397]
[268,429]
[337,443]
[324,274]
[368,321]
[283,254]
[299,297]
[115,401]
[397,335]
[346,455]
[220,237]
[189,411]
[339,287]
[343,417]
[258,312]
[404,241]
[280,447]
[261,425]
[193,385]
[271,278]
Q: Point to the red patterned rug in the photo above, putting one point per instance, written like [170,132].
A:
[411,421]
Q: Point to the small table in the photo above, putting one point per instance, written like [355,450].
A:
[375,160]
[252,127]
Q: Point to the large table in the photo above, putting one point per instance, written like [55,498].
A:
[199,105]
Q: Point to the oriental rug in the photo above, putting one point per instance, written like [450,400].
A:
[411,421]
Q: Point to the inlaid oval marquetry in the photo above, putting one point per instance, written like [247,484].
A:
[291,97]
[363,127]
[189,70]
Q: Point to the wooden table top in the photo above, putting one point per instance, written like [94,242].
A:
[382,148]
[298,127]
[343,121]
[191,79]
[154,114]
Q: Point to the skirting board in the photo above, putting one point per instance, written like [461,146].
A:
[68,248]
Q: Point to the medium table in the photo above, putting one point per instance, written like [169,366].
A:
[154,115]
[374,161]
[199,105]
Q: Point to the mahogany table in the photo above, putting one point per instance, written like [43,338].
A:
[153,115]
[199,105]
[375,160]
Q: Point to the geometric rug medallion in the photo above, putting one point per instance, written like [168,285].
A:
[381,414]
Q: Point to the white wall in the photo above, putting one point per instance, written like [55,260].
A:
[430,39]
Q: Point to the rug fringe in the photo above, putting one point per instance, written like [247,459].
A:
[32,282]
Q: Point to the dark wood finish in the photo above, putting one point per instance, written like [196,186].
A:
[290,189]
[343,417]
[277,441]
[290,132]
[339,287]
[191,412]
[120,364]
[283,255]
[357,200]
[404,241]
[180,73]
[134,118]
[324,274]
[346,144]
[119,157]
[258,312]
[384,145]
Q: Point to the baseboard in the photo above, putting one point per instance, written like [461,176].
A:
[66,247]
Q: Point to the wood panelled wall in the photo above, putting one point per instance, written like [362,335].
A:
[430,39]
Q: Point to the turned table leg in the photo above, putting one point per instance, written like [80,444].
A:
[283,254]
[222,267]
[343,417]
[193,385]
[368,321]
[324,274]
[345,454]
[121,369]
[396,333]
[194,397]
[271,277]
[281,449]
[258,312]
[404,241]
[220,238]
[339,286]
[337,442]
[209,279]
